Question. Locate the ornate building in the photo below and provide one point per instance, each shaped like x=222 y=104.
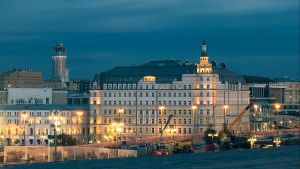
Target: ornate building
x=141 y=99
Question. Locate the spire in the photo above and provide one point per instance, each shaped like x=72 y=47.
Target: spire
x=204 y=66
x=204 y=48
x=59 y=50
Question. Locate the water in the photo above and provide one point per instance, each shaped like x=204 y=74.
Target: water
x=274 y=158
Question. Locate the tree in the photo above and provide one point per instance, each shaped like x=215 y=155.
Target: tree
x=66 y=140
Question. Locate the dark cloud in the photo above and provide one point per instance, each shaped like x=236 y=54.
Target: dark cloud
x=252 y=37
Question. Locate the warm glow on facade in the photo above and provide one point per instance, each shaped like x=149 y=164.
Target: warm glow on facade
x=149 y=78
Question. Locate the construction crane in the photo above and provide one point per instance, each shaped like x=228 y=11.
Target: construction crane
x=168 y=122
x=239 y=117
x=228 y=138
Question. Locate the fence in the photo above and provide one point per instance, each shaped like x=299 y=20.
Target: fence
x=33 y=154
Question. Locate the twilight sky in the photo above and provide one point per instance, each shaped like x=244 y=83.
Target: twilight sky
x=251 y=36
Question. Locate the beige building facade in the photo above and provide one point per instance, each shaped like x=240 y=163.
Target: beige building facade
x=21 y=79
x=196 y=101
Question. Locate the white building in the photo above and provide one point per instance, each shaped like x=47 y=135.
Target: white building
x=36 y=123
x=144 y=97
x=29 y=96
x=14 y=96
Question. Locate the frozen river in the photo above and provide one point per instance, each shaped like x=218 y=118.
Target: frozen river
x=282 y=158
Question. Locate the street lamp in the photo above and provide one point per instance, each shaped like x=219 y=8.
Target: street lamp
x=171 y=129
x=2 y=139
x=43 y=139
x=281 y=124
x=194 y=108
x=56 y=126
x=161 y=108
x=23 y=117
x=225 y=111
x=277 y=142
x=118 y=128
x=252 y=140
x=79 y=114
x=277 y=106
x=255 y=106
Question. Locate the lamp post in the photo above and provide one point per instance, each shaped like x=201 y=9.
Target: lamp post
x=277 y=107
x=2 y=132
x=255 y=106
x=2 y=139
x=56 y=126
x=225 y=111
x=252 y=140
x=161 y=108
x=171 y=130
x=119 y=124
x=194 y=108
x=79 y=114
x=43 y=139
x=277 y=142
x=23 y=116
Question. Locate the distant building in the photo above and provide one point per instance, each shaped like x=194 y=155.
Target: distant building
x=54 y=84
x=265 y=96
x=75 y=98
x=80 y=85
x=146 y=95
x=59 y=64
x=20 y=78
x=291 y=94
x=287 y=119
x=30 y=96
